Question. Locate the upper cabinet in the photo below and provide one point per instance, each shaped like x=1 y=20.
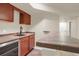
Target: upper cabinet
x=25 y=18
x=6 y=12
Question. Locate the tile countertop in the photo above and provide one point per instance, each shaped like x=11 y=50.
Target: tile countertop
x=8 y=38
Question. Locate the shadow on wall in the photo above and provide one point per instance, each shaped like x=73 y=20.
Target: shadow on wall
x=36 y=19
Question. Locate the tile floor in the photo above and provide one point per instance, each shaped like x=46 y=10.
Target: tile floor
x=40 y=51
x=59 y=41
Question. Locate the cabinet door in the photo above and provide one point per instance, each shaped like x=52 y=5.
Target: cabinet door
x=24 y=46
x=25 y=18
x=32 y=42
x=6 y=12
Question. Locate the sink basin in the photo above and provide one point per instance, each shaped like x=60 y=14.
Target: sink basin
x=19 y=35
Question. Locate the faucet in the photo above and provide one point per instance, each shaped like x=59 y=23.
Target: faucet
x=21 y=29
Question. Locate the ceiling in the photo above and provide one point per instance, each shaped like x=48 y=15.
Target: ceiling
x=65 y=8
x=68 y=9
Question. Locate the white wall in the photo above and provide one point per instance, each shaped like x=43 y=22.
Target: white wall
x=42 y=23
x=78 y=27
x=11 y=27
x=63 y=29
x=75 y=27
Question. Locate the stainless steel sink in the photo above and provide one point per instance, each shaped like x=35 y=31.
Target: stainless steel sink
x=19 y=35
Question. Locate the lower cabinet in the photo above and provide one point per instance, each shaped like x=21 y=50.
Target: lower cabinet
x=24 y=44
x=31 y=42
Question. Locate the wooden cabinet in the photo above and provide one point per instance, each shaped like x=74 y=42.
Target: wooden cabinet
x=6 y=12
x=24 y=43
x=31 y=42
x=25 y=18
